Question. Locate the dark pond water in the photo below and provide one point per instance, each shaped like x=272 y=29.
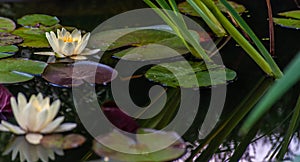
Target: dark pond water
x=89 y=13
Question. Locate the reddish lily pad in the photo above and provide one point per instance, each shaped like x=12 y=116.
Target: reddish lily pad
x=6 y=24
x=75 y=74
x=5 y=107
x=9 y=39
x=63 y=142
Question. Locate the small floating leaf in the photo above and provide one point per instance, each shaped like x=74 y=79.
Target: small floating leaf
x=19 y=70
x=6 y=51
x=141 y=149
x=58 y=141
x=6 y=24
x=33 y=37
x=84 y=71
x=161 y=74
x=9 y=39
x=38 y=19
x=72 y=141
x=185 y=7
x=289 y=23
x=292 y=14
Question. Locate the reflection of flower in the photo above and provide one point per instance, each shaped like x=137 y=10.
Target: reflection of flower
x=35 y=118
x=68 y=44
x=29 y=152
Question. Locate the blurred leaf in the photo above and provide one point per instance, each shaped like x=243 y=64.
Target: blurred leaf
x=33 y=37
x=6 y=51
x=185 y=7
x=15 y=70
x=6 y=25
x=292 y=14
x=164 y=74
x=140 y=150
x=73 y=141
x=84 y=71
x=37 y=19
x=9 y=39
x=5 y=107
x=290 y=23
x=59 y=141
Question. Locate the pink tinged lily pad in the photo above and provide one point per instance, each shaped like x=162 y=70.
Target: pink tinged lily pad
x=59 y=141
x=5 y=107
x=9 y=39
x=119 y=118
x=75 y=74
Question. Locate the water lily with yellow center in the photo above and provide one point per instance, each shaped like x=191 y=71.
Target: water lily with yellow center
x=66 y=44
x=35 y=118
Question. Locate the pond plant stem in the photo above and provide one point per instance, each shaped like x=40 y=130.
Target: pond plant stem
x=271 y=28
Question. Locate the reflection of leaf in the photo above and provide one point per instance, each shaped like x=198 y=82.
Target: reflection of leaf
x=37 y=19
x=6 y=51
x=290 y=23
x=33 y=37
x=9 y=39
x=185 y=7
x=161 y=73
x=5 y=107
x=19 y=70
x=158 y=146
x=77 y=73
x=292 y=14
x=6 y=25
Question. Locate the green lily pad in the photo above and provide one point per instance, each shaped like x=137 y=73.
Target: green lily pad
x=33 y=37
x=6 y=51
x=187 y=71
x=15 y=70
x=38 y=19
x=172 y=146
x=9 y=39
x=186 y=8
x=289 y=23
x=6 y=24
x=292 y=14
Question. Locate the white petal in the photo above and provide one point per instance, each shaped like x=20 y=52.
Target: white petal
x=40 y=122
x=53 y=125
x=63 y=32
x=30 y=115
x=76 y=35
x=82 y=44
x=40 y=97
x=34 y=138
x=13 y=128
x=60 y=55
x=4 y=129
x=22 y=101
x=68 y=49
x=52 y=40
x=87 y=51
x=16 y=109
x=44 y=53
x=65 y=127
x=78 y=57
x=53 y=110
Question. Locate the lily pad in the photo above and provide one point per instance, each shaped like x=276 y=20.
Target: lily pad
x=59 y=141
x=140 y=149
x=33 y=37
x=6 y=24
x=15 y=70
x=6 y=51
x=84 y=71
x=162 y=74
x=38 y=19
x=289 y=23
x=186 y=8
x=292 y=14
x=9 y=39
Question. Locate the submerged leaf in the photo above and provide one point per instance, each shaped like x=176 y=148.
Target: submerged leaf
x=160 y=146
x=6 y=51
x=206 y=75
x=33 y=37
x=9 y=39
x=38 y=19
x=19 y=70
x=290 y=23
x=6 y=24
x=75 y=74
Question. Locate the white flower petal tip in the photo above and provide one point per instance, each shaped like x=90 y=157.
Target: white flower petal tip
x=78 y=57
x=45 y=53
x=34 y=138
x=12 y=128
x=65 y=127
x=88 y=51
x=66 y=44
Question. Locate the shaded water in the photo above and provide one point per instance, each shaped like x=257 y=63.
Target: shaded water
x=88 y=14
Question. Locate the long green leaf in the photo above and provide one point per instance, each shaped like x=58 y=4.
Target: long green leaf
x=290 y=78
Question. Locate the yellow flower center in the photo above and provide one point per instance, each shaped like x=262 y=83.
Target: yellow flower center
x=68 y=39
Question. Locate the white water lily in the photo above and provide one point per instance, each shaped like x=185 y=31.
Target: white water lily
x=66 y=44
x=35 y=118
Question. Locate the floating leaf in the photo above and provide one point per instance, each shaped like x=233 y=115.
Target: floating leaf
x=292 y=14
x=6 y=24
x=38 y=19
x=290 y=23
x=5 y=107
x=119 y=118
x=84 y=71
x=9 y=39
x=72 y=141
x=185 y=7
x=161 y=73
x=141 y=150
x=6 y=51
x=19 y=70
x=33 y=37
x=58 y=141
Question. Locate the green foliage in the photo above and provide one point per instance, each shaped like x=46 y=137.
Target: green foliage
x=6 y=51
x=9 y=39
x=6 y=24
x=38 y=19
x=33 y=37
x=292 y=20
